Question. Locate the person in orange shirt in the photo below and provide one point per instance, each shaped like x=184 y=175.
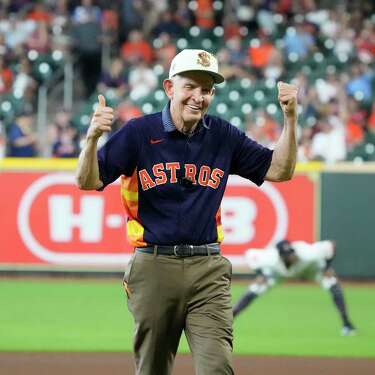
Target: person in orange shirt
x=39 y=13
x=204 y=14
x=261 y=53
x=6 y=77
x=135 y=48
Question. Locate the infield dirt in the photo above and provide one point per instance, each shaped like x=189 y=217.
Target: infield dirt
x=122 y=364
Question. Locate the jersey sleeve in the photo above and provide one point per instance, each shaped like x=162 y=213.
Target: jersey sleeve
x=250 y=159
x=119 y=155
x=315 y=252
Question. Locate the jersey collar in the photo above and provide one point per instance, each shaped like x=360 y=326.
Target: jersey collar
x=168 y=124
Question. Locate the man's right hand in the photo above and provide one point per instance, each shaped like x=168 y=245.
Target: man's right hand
x=101 y=120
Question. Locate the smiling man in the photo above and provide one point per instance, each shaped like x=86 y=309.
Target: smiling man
x=174 y=166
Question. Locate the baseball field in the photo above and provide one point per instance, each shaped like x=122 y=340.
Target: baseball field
x=77 y=326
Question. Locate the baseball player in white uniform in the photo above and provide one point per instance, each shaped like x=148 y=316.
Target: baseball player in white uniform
x=299 y=260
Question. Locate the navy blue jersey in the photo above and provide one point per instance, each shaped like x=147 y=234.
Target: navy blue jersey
x=173 y=184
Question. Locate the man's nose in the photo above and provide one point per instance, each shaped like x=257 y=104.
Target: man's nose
x=198 y=95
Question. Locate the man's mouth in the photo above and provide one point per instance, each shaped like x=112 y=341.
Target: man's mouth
x=194 y=107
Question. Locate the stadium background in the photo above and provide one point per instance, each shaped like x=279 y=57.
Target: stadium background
x=56 y=56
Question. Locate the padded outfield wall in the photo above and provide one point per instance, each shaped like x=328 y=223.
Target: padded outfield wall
x=47 y=223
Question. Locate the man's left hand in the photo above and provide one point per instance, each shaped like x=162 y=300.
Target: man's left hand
x=288 y=99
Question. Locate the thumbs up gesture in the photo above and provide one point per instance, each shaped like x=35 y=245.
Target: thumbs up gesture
x=101 y=120
x=288 y=99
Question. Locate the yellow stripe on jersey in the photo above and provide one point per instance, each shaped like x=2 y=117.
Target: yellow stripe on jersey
x=130 y=195
x=135 y=233
x=219 y=227
x=220 y=233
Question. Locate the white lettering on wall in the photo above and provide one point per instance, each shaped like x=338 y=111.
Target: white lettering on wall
x=239 y=214
x=62 y=219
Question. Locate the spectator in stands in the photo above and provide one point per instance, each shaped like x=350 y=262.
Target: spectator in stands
x=183 y=14
x=261 y=127
x=232 y=27
x=39 y=39
x=136 y=48
x=355 y=125
x=18 y=31
x=60 y=26
x=131 y=16
x=86 y=12
x=4 y=20
x=114 y=79
x=328 y=143
x=237 y=54
x=168 y=24
x=39 y=13
x=126 y=111
x=365 y=42
x=66 y=145
x=63 y=136
x=228 y=70
x=86 y=38
x=260 y=51
x=344 y=43
x=327 y=88
x=110 y=29
x=360 y=82
x=152 y=18
x=265 y=59
x=299 y=41
x=6 y=76
x=304 y=145
x=4 y=50
x=142 y=80
x=21 y=137
x=165 y=50
x=23 y=79
x=204 y=14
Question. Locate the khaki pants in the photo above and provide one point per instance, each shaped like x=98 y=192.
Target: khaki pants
x=168 y=294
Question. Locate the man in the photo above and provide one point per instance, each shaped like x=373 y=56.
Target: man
x=295 y=260
x=174 y=166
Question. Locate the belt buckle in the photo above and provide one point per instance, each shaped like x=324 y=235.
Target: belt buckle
x=183 y=250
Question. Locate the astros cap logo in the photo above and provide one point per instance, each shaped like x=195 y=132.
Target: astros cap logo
x=203 y=59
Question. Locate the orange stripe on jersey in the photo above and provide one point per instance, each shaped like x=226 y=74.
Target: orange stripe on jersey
x=129 y=195
x=219 y=227
x=129 y=198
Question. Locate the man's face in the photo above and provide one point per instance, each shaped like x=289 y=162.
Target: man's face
x=190 y=94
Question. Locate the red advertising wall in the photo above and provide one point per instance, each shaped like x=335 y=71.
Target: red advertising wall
x=46 y=220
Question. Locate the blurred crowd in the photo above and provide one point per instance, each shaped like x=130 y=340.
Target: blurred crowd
x=123 y=49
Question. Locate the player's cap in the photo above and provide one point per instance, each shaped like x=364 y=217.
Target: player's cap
x=196 y=60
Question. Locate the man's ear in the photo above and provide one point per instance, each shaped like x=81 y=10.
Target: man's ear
x=168 y=87
x=213 y=91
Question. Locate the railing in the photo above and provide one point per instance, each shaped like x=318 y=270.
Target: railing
x=66 y=73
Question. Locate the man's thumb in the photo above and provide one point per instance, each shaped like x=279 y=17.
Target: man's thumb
x=101 y=100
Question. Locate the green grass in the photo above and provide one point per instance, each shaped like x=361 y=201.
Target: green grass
x=64 y=315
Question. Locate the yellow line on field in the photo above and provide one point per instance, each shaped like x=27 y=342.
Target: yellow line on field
x=37 y=164
x=62 y=164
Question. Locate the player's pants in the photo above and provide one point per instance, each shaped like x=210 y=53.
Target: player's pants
x=168 y=294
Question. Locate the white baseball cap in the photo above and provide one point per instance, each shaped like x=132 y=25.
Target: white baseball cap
x=196 y=60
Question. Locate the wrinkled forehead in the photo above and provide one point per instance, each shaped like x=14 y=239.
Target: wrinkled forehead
x=198 y=77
